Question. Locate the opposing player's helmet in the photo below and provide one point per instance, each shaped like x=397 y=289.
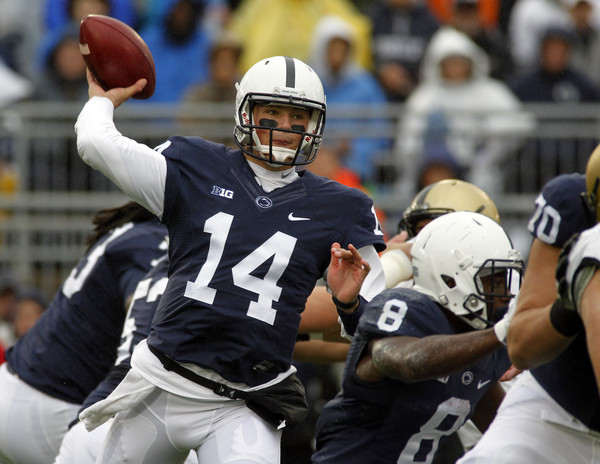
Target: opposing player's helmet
x=443 y=197
x=280 y=80
x=453 y=253
x=592 y=181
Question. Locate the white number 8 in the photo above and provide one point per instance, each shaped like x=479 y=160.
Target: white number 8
x=392 y=315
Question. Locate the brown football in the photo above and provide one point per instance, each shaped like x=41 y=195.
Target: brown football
x=116 y=54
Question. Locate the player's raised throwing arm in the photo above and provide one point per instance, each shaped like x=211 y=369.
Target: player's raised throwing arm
x=135 y=168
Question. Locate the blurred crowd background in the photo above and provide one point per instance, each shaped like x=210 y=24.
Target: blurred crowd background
x=501 y=93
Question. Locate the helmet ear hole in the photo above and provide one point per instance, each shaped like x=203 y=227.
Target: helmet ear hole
x=449 y=281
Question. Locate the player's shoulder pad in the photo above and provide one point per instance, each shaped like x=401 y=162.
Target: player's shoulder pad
x=565 y=189
x=179 y=143
x=585 y=250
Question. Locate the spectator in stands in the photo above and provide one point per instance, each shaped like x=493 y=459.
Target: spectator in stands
x=215 y=16
x=586 y=49
x=29 y=307
x=466 y=17
x=483 y=118
x=401 y=31
x=438 y=164
x=223 y=73
x=14 y=86
x=63 y=70
x=20 y=33
x=63 y=18
x=286 y=27
x=329 y=164
x=220 y=87
x=527 y=23
x=61 y=13
x=555 y=79
x=180 y=47
x=488 y=11
x=348 y=87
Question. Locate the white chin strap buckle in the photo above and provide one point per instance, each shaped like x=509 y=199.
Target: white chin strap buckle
x=279 y=154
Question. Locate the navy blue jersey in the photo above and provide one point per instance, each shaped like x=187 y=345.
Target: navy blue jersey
x=136 y=328
x=73 y=345
x=243 y=261
x=391 y=421
x=569 y=378
x=559 y=211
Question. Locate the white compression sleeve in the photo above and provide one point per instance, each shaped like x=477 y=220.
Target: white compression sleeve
x=135 y=168
x=396 y=266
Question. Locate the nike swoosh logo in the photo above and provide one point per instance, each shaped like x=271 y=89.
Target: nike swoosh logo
x=291 y=217
x=482 y=383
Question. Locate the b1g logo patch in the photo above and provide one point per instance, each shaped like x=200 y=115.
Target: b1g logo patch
x=221 y=192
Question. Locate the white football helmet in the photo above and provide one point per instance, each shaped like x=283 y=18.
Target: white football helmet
x=284 y=81
x=450 y=256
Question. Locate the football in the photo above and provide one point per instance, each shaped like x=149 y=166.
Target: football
x=115 y=54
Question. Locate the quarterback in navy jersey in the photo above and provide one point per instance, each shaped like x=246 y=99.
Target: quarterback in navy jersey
x=249 y=238
x=423 y=357
x=552 y=412
x=71 y=348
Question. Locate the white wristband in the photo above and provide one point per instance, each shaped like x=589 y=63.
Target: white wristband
x=397 y=267
x=501 y=330
x=501 y=327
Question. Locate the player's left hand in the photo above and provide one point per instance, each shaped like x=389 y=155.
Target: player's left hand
x=347 y=271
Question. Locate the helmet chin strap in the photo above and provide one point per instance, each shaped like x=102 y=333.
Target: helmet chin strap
x=279 y=153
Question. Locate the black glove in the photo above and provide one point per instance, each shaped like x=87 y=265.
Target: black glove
x=563 y=314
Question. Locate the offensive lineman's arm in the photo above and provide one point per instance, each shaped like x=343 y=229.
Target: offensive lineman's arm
x=321 y=351
x=532 y=340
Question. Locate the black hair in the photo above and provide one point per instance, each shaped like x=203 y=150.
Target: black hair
x=179 y=32
x=108 y=219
